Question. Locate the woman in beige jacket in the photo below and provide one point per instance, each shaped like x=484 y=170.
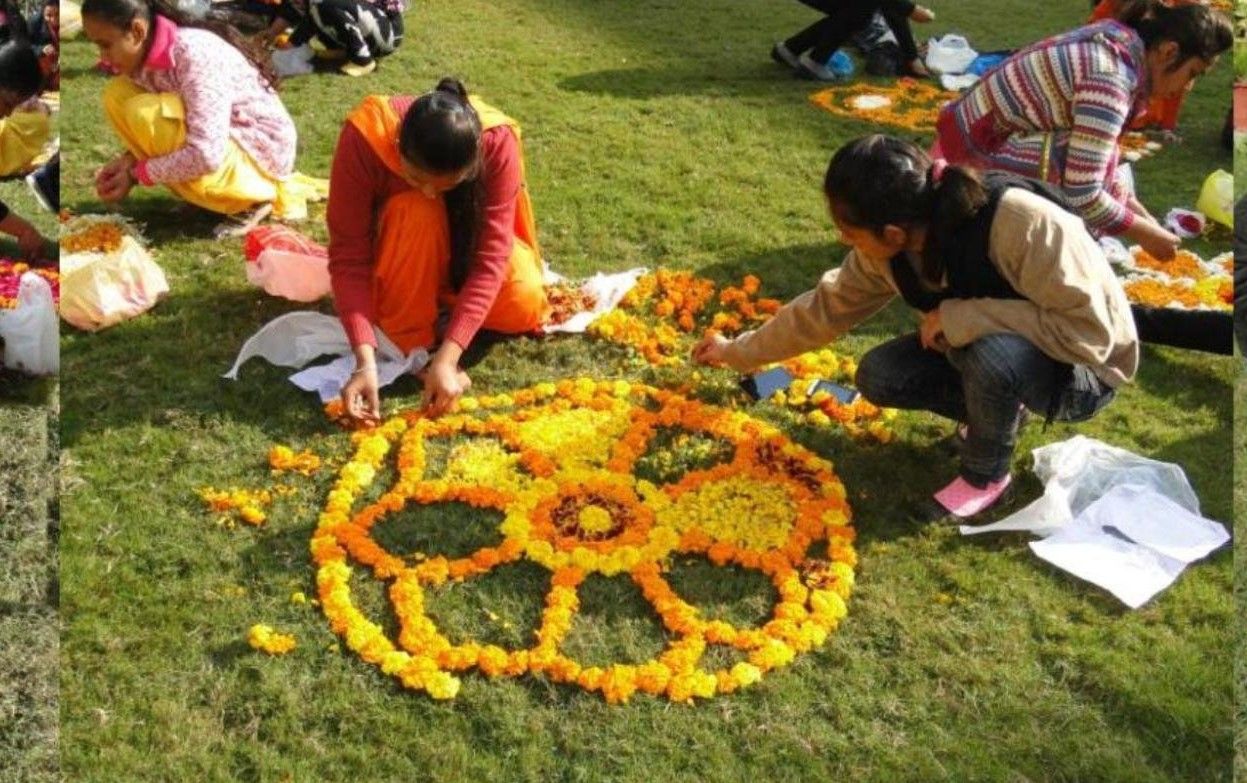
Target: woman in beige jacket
x=1020 y=307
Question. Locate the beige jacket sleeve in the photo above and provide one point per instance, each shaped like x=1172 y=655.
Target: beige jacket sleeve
x=1074 y=311
x=842 y=299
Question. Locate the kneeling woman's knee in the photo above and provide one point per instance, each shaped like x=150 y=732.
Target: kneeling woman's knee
x=520 y=307
x=873 y=377
x=990 y=360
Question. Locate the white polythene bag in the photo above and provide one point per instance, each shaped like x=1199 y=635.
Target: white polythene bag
x=30 y=330
x=1077 y=472
x=293 y=62
x=99 y=290
x=950 y=54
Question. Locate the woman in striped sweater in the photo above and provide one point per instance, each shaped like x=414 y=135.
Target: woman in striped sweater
x=1055 y=110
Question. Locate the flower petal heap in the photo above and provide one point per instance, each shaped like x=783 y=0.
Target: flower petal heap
x=558 y=461
x=664 y=313
x=11 y=281
x=1185 y=283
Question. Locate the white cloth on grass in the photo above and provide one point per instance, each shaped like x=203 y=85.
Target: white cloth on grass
x=295 y=339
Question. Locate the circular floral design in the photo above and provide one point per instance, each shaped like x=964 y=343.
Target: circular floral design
x=909 y=103
x=558 y=462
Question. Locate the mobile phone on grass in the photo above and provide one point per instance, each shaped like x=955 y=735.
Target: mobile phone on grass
x=843 y=394
x=762 y=385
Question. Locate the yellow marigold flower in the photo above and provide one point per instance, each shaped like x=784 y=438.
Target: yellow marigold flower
x=442 y=685
x=492 y=660
x=265 y=639
x=745 y=674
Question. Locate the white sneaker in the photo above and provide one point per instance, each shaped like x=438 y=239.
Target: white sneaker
x=34 y=188
x=807 y=68
x=784 y=56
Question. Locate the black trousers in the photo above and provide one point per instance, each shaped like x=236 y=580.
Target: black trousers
x=1197 y=330
x=846 y=17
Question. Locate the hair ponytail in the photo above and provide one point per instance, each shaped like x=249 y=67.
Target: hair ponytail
x=120 y=13
x=1198 y=30
x=957 y=195
x=452 y=86
x=441 y=133
x=877 y=181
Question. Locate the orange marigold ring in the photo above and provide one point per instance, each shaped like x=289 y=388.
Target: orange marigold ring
x=559 y=462
x=910 y=104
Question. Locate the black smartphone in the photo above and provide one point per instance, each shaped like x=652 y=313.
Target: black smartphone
x=843 y=394
x=762 y=385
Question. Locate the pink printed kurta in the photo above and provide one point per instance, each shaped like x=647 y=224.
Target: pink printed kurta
x=225 y=97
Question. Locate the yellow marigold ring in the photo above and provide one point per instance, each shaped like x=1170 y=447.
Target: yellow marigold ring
x=558 y=461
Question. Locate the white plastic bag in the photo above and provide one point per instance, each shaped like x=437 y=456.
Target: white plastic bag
x=300 y=277
x=950 y=54
x=296 y=61
x=102 y=289
x=30 y=330
x=1133 y=542
x=1077 y=472
x=607 y=291
x=71 y=20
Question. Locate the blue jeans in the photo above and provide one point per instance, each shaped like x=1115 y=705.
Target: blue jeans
x=983 y=384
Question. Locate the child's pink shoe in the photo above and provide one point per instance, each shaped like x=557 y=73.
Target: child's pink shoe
x=963 y=499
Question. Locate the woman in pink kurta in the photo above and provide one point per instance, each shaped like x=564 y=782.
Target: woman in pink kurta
x=197 y=109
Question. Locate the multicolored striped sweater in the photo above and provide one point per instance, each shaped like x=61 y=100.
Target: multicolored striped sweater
x=1054 y=111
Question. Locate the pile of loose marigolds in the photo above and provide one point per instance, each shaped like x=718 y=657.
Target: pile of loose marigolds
x=1187 y=282
x=557 y=461
x=663 y=314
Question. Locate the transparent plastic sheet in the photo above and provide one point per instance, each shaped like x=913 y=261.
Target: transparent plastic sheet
x=1077 y=472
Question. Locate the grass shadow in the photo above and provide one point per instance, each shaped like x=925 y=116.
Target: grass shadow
x=176 y=353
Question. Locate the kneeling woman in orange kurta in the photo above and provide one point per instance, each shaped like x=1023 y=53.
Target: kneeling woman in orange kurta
x=431 y=236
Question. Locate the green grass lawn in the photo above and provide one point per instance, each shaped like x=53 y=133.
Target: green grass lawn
x=29 y=525
x=28 y=578
x=657 y=133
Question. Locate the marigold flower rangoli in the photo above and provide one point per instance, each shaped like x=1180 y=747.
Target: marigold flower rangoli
x=911 y=104
x=558 y=462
